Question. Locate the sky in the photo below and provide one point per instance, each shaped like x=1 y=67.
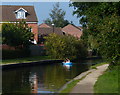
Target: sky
x=44 y=8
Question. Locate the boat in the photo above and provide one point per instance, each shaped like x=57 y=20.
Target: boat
x=67 y=63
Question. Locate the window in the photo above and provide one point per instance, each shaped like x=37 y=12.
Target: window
x=21 y=13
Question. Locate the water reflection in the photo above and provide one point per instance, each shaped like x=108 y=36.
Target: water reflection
x=34 y=83
x=16 y=81
x=40 y=79
x=67 y=66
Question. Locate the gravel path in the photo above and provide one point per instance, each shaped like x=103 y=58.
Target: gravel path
x=86 y=85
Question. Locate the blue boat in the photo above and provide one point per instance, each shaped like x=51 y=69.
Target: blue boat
x=67 y=63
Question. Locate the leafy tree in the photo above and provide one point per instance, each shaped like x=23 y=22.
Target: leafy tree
x=57 y=17
x=101 y=22
x=64 y=46
x=17 y=34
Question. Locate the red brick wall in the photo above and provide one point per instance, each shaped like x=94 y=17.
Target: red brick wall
x=34 y=30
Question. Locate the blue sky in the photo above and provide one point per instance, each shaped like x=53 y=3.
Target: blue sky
x=44 y=8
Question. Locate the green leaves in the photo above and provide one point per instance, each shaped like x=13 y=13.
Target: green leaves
x=64 y=46
x=57 y=17
x=103 y=31
x=16 y=34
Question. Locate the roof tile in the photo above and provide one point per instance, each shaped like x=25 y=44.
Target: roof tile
x=8 y=13
x=73 y=30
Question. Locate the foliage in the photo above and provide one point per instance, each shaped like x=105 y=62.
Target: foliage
x=17 y=34
x=57 y=17
x=64 y=46
x=102 y=29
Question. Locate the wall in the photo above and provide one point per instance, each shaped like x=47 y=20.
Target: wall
x=34 y=30
x=37 y=50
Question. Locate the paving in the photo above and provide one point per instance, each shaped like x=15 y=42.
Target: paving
x=86 y=85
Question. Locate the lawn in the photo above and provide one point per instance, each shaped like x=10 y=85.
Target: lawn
x=108 y=82
x=27 y=59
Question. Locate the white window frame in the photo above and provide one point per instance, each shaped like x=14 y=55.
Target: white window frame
x=20 y=13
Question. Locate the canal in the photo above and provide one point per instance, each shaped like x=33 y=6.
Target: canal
x=46 y=78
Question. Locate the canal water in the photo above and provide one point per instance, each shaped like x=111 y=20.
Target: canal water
x=46 y=78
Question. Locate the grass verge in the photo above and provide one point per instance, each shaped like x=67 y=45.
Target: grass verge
x=70 y=87
x=27 y=59
x=108 y=82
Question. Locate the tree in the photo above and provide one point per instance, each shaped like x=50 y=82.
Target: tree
x=101 y=22
x=57 y=17
x=64 y=46
x=17 y=34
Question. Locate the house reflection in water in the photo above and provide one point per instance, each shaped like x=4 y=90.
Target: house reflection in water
x=34 y=83
x=36 y=86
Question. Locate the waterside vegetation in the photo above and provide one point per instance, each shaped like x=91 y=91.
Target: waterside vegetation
x=65 y=46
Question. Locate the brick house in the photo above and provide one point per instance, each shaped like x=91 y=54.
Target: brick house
x=13 y=13
x=72 y=30
x=46 y=29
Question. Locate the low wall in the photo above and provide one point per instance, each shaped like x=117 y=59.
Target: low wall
x=37 y=50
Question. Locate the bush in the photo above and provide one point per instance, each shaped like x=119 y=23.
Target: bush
x=11 y=54
x=16 y=34
x=61 y=46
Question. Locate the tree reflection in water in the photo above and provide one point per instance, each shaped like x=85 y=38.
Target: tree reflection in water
x=15 y=81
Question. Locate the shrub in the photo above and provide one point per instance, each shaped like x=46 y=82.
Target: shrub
x=62 y=46
x=16 y=34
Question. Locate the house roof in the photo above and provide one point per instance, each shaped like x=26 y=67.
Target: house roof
x=72 y=30
x=46 y=31
x=44 y=25
x=8 y=13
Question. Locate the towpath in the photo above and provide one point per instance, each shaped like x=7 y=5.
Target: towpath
x=86 y=85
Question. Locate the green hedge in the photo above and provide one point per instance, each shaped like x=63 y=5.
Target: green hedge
x=11 y=54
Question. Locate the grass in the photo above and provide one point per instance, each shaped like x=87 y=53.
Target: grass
x=108 y=82
x=99 y=64
x=27 y=59
x=70 y=86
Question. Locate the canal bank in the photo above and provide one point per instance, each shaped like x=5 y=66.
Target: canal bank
x=45 y=60
x=16 y=65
